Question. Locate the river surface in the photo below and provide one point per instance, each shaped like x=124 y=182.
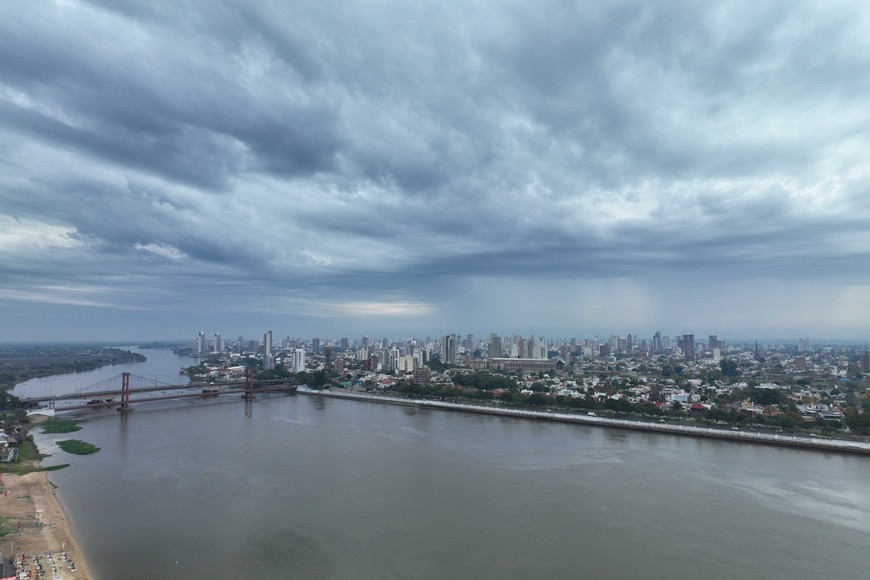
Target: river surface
x=307 y=487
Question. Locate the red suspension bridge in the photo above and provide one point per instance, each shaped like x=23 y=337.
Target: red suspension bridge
x=126 y=389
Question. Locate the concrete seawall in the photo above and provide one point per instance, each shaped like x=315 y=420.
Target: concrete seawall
x=814 y=443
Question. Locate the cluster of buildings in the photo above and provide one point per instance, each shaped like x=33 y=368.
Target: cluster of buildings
x=292 y=356
x=532 y=354
x=670 y=373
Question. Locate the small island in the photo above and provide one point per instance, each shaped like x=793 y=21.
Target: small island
x=77 y=447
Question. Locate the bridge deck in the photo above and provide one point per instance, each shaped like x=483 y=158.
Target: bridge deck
x=82 y=395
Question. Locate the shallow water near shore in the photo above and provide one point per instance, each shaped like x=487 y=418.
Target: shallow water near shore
x=325 y=488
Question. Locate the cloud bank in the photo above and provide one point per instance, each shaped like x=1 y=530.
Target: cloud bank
x=562 y=167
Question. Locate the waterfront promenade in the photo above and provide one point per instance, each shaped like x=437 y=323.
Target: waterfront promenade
x=815 y=443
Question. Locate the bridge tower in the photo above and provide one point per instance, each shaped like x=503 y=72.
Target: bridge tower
x=125 y=393
x=249 y=384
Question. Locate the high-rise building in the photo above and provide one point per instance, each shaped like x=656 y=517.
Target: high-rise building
x=391 y=360
x=804 y=344
x=343 y=344
x=524 y=348
x=494 y=350
x=622 y=344
x=865 y=363
x=448 y=349
x=297 y=360
x=315 y=345
x=366 y=342
x=218 y=342
x=268 y=361
x=200 y=343
x=657 y=345
x=687 y=345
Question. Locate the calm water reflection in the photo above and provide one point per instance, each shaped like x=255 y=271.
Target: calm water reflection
x=306 y=487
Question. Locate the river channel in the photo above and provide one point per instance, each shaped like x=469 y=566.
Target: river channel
x=307 y=487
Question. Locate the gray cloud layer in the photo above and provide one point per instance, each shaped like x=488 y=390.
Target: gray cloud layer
x=332 y=159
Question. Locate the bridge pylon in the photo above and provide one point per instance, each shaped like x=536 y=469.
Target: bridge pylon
x=249 y=384
x=125 y=394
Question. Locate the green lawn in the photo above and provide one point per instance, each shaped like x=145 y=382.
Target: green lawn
x=28 y=459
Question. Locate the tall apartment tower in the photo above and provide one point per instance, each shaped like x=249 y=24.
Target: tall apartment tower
x=315 y=345
x=494 y=350
x=658 y=345
x=218 y=342
x=297 y=360
x=268 y=361
x=804 y=344
x=200 y=343
x=524 y=348
x=448 y=349
x=687 y=345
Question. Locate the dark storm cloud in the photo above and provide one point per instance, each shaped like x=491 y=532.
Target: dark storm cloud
x=351 y=149
x=155 y=109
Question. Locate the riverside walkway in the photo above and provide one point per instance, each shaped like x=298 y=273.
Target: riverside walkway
x=815 y=443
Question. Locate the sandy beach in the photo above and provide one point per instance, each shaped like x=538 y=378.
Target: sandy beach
x=38 y=526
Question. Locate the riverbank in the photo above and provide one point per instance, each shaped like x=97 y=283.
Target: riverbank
x=37 y=525
x=814 y=443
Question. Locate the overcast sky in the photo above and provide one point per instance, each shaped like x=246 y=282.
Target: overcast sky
x=340 y=168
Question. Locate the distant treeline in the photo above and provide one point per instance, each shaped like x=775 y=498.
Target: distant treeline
x=22 y=363
x=165 y=345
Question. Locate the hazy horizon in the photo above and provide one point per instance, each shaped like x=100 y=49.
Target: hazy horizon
x=699 y=339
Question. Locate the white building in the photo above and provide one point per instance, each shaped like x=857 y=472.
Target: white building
x=296 y=360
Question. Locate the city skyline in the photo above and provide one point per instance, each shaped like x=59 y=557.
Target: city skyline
x=346 y=169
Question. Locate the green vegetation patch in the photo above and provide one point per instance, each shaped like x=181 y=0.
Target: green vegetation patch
x=77 y=447
x=54 y=467
x=60 y=426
